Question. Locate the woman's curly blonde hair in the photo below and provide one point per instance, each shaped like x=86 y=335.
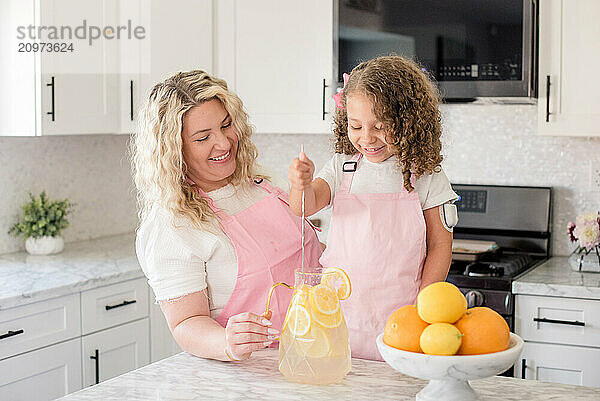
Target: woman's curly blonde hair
x=406 y=102
x=156 y=149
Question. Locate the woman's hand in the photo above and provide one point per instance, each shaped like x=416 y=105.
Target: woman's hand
x=301 y=173
x=247 y=332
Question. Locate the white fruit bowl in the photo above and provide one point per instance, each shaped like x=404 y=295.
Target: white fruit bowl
x=448 y=375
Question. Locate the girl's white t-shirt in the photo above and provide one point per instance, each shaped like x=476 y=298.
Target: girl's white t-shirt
x=179 y=259
x=386 y=177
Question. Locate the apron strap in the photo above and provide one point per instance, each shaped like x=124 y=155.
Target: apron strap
x=348 y=170
x=217 y=210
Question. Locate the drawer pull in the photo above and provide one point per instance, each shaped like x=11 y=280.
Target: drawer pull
x=11 y=333
x=109 y=307
x=570 y=323
x=96 y=358
x=523 y=368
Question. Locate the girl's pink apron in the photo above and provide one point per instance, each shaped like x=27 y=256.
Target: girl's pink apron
x=266 y=238
x=379 y=240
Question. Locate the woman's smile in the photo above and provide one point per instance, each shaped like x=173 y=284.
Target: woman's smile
x=224 y=158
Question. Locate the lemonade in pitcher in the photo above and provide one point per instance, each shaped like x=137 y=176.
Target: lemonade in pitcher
x=313 y=346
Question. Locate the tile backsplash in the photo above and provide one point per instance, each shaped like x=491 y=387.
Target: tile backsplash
x=483 y=144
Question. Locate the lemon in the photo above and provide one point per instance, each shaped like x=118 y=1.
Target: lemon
x=333 y=275
x=315 y=344
x=327 y=321
x=298 y=320
x=441 y=302
x=440 y=339
x=324 y=299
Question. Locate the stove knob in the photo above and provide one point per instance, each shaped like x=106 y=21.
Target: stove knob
x=474 y=298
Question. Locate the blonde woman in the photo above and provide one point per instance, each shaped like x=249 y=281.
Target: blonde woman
x=215 y=235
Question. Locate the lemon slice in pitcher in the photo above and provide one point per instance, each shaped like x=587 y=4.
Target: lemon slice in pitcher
x=324 y=299
x=327 y=321
x=315 y=344
x=334 y=275
x=298 y=320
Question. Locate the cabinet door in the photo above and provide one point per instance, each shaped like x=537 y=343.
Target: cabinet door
x=110 y=353
x=162 y=344
x=79 y=90
x=568 y=57
x=17 y=71
x=276 y=55
x=181 y=40
x=45 y=374
x=559 y=364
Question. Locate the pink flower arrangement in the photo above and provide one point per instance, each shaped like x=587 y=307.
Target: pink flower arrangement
x=586 y=232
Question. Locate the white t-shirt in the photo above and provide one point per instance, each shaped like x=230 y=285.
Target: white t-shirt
x=386 y=177
x=179 y=259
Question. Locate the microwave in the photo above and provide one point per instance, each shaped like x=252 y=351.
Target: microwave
x=470 y=48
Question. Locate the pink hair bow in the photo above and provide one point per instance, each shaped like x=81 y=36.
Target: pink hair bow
x=338 y=96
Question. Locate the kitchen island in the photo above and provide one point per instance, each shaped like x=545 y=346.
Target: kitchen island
x=185 y=377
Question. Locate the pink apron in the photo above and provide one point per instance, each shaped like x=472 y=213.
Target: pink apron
x=266 y=238
x=379 y=240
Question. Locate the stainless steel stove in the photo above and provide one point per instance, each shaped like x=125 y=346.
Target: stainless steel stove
x=517 y=219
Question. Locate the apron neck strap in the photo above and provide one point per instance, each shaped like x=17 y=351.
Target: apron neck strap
x=217 y=210
x=348 y=170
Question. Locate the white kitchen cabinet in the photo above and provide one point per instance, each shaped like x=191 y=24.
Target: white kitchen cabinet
x=162 y=343
x=568 y=58
x=559 y=364
x=562 y=339
x=277 y=56
x=112 y=352
x=45 y=374
x=78 y=91
x=39 y=324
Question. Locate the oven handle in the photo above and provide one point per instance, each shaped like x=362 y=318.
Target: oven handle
x=568 y=322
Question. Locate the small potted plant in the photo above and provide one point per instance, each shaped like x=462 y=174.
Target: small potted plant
x=41 y=224
x=586 y=233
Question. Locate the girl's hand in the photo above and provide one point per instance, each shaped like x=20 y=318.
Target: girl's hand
x=301 y=173
x=247 y=332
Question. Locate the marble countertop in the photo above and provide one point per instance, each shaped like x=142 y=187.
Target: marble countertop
x=555 y=278
x=81 y=266
x=185 y=377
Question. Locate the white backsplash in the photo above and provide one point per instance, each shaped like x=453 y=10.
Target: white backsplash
x=483 y=144
x=90 y=170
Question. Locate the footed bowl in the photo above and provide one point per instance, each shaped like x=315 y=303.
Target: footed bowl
x=449 y=375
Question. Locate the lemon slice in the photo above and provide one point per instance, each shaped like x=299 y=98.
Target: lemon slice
x=324 y=299
x=335 y=275
x=327 y=321
x=298 y=320
x=315 y=344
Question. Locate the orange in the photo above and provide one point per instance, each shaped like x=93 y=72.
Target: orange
x=485 y=331
x=403 y=329
x=441 y=302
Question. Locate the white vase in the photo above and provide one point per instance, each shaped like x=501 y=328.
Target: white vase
x=585 y=263
x=44 y=245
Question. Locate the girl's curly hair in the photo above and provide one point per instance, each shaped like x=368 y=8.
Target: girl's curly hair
x=406 y=102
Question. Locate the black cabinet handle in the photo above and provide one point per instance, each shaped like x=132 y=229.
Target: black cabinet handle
x=109 y=307
x=570 y=323
x=53 y=112
x=324 y=86
x=96 y=356
x=11 y=333
x=131 y=100
x=548 y=98
x=523 y=368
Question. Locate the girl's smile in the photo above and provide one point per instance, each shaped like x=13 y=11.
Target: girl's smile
x=365 y=131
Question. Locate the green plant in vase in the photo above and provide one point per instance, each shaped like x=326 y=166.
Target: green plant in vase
x=41 y=224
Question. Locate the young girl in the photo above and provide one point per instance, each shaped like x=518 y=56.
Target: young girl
x=390 y=230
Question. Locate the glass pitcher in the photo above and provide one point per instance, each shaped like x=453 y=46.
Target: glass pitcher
x=313 y=345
